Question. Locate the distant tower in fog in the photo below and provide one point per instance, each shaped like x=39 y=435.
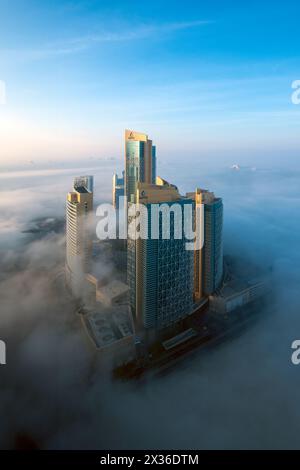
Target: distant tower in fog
x=118 y=189
x=78 y=239
x=140 y=162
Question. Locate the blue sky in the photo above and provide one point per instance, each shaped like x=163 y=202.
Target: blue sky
x=202 y=78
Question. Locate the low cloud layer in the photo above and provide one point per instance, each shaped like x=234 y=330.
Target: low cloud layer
x=239 y=394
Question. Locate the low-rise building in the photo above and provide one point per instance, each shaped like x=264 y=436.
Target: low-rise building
x=112 y=334
x=237 y=293
x=106 y=292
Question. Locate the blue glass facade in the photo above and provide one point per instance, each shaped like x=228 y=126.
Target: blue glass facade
x=165 y=279
x=136 y=169
x=213 y=246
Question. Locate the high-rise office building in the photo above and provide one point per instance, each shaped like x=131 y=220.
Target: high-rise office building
x=213 y=243
x=78 y=239
x=168 y=281
x=208 y=260
x=118 y=189
x=140 y=162
x=160 y=271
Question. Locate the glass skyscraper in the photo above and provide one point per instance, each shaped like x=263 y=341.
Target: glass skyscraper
x=140 y=162
x=168 y=281
x=209 y=259
x=160 y=271
x=118 y=189
x=213 y=246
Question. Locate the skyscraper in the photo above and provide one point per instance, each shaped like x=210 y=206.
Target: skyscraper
x=168 y=281
x=78 y=240
x=213 y=243
x=208 y=273
x=118 y=189
x=140 y=162
x=160 y=271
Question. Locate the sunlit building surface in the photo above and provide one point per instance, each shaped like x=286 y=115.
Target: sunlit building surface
x=78 y=239
x=140 y=162
x=209 y=259
x=108 y=293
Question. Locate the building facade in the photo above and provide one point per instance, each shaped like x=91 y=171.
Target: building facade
x=140 y=162
x=168 y=281
x=208 y=261
x=118 y=189
x=160 y=271
x=213 y=246
x=79 y=207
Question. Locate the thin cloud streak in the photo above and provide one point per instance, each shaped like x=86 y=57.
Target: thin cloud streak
x=80 y=44
x=140 y=33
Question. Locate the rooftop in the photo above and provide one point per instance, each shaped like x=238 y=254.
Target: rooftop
x=106 y=328
x=112 y=291
x=135 y=136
